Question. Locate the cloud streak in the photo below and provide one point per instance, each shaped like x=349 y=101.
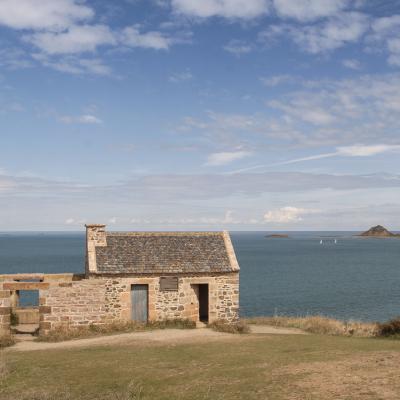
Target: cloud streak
x=226 y=157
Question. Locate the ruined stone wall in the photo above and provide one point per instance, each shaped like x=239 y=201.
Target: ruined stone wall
x=102 y=300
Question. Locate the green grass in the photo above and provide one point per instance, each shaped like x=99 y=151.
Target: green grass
x=241 y=367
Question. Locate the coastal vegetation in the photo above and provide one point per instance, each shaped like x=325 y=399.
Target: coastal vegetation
x=224 y=326
x=319 y=325
x=390 y=328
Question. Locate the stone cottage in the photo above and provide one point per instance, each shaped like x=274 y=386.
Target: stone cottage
x=140 y=276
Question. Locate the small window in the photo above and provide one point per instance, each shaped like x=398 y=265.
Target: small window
x=169 y=283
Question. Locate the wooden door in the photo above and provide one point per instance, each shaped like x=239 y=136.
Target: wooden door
x=139 y=301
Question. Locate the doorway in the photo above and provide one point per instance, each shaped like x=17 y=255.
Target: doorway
x=139 y=303
x=203 y=303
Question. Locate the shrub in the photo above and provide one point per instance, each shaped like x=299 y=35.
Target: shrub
x=172 y=324
x=229 y=327
x=13 y=318
x=389 y=328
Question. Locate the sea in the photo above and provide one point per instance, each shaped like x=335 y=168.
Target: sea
x=334 y=274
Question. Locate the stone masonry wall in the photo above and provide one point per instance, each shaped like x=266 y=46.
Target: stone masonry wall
x=5 y=309
x=77 y=303
x=101 y=300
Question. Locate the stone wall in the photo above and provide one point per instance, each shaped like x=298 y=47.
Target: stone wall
x=77 y=303
x=5 y=309
x=95 y=237
x=102 y=300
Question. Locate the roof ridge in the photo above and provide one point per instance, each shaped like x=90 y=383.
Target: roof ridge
x=165 y=233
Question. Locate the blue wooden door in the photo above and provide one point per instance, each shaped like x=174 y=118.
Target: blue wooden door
x=139 y=301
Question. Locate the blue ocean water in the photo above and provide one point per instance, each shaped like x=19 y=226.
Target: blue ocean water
x=356 y=278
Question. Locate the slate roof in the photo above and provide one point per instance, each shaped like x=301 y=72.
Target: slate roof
x=166 y=252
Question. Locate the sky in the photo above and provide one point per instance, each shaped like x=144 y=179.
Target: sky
x=199 y=115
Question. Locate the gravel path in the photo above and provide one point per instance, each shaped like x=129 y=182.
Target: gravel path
x=161 y=336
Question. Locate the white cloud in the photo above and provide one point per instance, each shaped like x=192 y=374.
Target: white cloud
x=366 y=151
x=238 y=47
x=346 y=151
x=77 y=39
x=82 y=119
x=74 y=64
x=14 y=58
x=346 y=28
x=385 y=32
x=236 y=9
x=287 y=215
x=94 y=66
x=352 y=64
x=393 y=45
x=315 y=113
x=277 y=80
x=306 y=109
x=308 y=10
x=386 y=25
x=322 y=37
x=76 y=222
x=180 y=77
x=43 y=14
x=132 y=37
x=223 y=158
x=61 y=29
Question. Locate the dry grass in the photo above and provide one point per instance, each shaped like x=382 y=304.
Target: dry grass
x=320 y=325
x=228 y=327
x=66 y=332
x=3 y=369
x=133 y=391
x=234 y=367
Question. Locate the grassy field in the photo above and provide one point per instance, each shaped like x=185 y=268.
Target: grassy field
x=237 y=367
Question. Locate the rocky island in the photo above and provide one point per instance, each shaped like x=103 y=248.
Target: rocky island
x=378 y=231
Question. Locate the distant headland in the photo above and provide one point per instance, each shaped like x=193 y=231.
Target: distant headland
x=378 y=231
x=277 y=236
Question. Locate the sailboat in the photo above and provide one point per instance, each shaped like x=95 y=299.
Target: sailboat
x=320 y=242
x=335 y=241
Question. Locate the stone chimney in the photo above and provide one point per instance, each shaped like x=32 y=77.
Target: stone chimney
x=95 y=237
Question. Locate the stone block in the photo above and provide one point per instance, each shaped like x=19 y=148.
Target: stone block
x=44 y=325
x=44 y=309
x=5 y=310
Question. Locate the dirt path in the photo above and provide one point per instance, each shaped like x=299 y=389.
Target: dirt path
x=165 y=336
